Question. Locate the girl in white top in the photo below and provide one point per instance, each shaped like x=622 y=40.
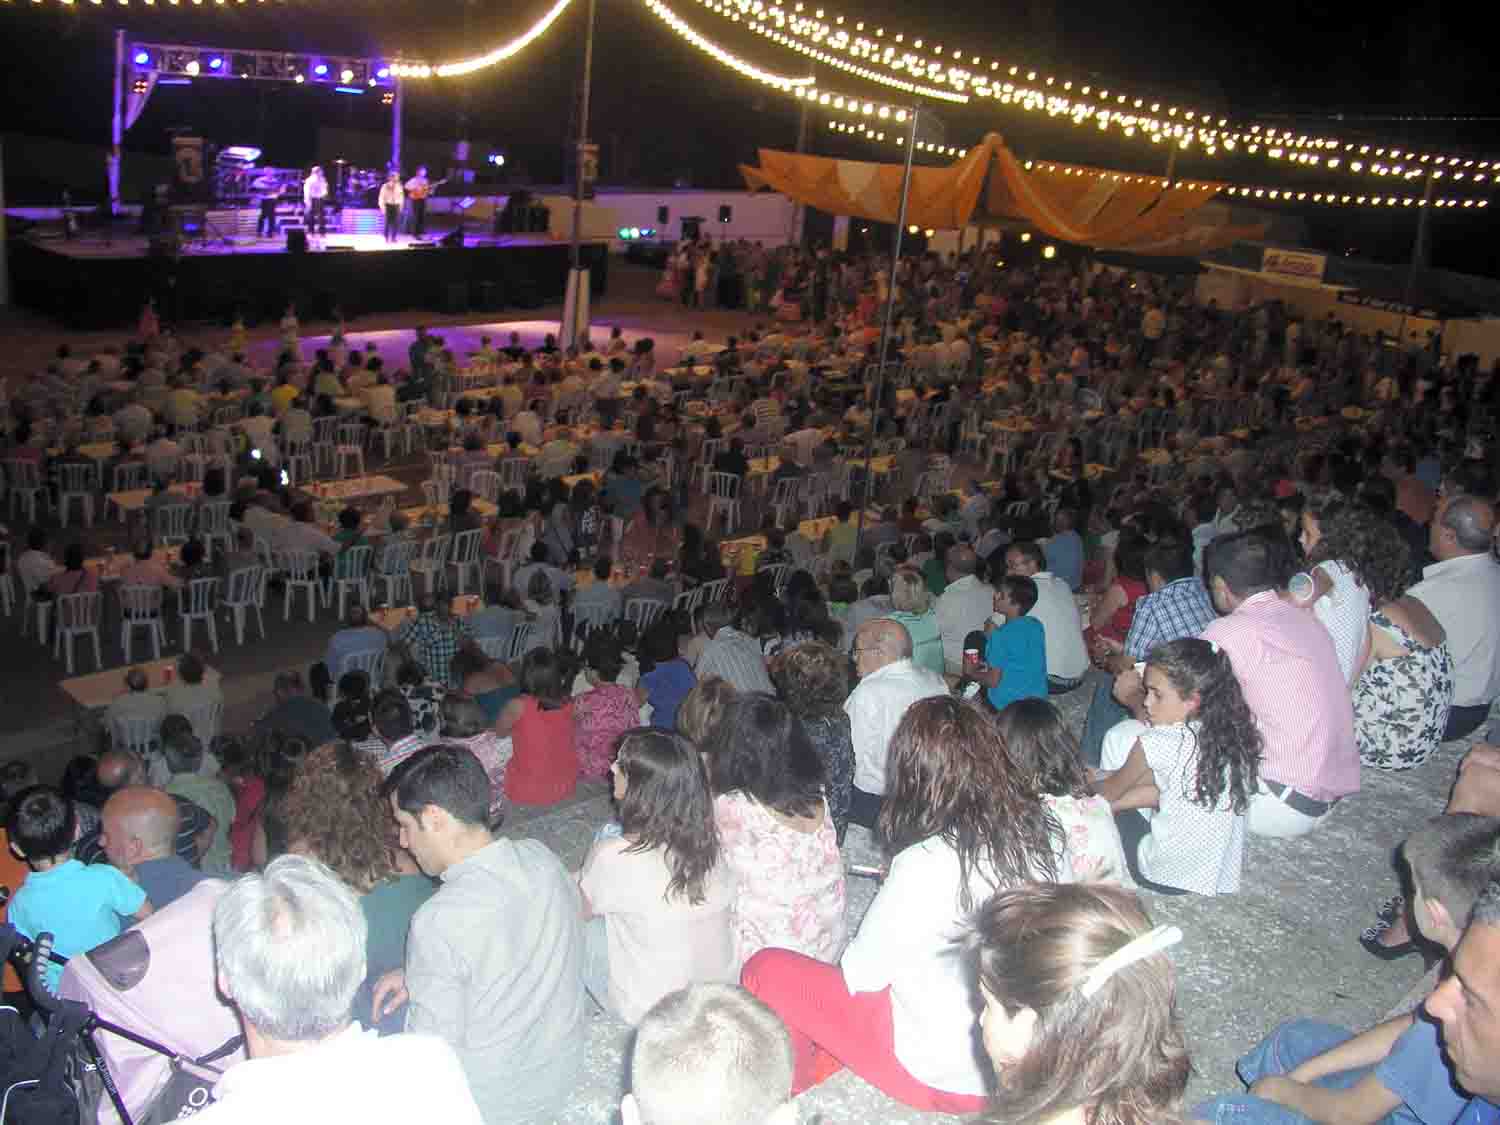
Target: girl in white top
x=897 y=1009
x=1079 y=1017
x=1196 y=765
x=657 y=896
x=1337 y=595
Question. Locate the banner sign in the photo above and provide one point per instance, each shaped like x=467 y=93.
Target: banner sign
x=1384 y=304
x=1293 y=263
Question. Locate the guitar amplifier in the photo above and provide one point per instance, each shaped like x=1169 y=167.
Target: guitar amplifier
x=296 y=240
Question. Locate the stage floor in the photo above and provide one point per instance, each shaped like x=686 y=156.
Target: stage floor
x=136 y=246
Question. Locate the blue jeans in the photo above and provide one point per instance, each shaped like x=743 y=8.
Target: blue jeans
x=1287 y=1047
x=1104 y=713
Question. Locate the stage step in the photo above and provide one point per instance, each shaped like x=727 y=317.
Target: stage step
x=239 y=223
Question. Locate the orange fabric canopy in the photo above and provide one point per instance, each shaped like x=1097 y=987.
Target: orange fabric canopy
x=1093 y=207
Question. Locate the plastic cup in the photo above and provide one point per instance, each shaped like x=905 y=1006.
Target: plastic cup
x=168 y=673
x=971 y=658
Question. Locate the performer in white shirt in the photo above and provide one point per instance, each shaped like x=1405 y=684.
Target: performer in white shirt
x=391 y=197
x=315 y=200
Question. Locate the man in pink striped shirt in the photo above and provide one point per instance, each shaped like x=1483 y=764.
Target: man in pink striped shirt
x=1289 y=672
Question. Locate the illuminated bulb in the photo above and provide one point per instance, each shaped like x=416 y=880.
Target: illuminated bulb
x=1026 y=234
x=1049 y=251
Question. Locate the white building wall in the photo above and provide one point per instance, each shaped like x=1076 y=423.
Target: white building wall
x=763 y=217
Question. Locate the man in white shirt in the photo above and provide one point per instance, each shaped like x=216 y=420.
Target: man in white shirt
x=300 y=533
x=963 y=607
x=34 y=566
x=391 y=197
x=889 y=683
x=1057 y=610
x=1462 y=589
x=380 y=399
x=494 y=960
x=805 y=441
x=290 y=950
x=137 y=703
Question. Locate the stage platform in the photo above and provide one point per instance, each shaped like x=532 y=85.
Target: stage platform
x=98 y=283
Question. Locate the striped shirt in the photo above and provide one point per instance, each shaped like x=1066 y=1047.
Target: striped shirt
x=1289 y=673
x=735 y=657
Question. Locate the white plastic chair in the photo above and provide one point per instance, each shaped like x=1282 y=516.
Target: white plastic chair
x=139 y=735
x=394 y=569
x=213 y=526
x=643 y=612
x=301 y=569
x=371 y=662
x=785 y=498
x=79 y=482
x=432 y=563
x=465 y=560
x=688 y=600
x=504 y=558
x=206 y=721
x=349 y=452
x=196 y=602
x=174 y=524
x=485 y=484
x=587 y=618
x=724 y=496
x=128 y=476
x=246 y=592
x=513 y=471
x=351 y=571
x=140 y=608
x=7 y=580
x=78 y=616
x=298 y=461
x=24 y=478
x=778 y=573
x=520 y=638
x=715 y=591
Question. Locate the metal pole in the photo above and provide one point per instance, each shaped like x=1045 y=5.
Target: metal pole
x=1418 y=249
x=885 y=330
x=116 y=125
x=575 y=304
x=791 y=233
x=397 y=103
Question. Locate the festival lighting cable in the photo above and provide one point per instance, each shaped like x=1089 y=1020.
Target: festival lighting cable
x=861 y=53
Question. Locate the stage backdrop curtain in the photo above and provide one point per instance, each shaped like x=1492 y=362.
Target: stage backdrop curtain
x=1095 y=207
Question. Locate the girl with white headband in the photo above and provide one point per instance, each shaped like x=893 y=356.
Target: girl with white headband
x=1080 y=1017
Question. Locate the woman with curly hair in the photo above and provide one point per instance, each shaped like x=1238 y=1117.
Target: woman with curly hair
x=776 y=830
x=334 y=812
x=702 y=707
x=1403 y=690
x=813 y=680
x=1080 y=1011
x=960 y=823
x=1332 y=588
x=1197 y=765
x=657 y=896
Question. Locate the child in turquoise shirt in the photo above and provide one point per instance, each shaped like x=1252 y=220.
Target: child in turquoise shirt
x=81 y=907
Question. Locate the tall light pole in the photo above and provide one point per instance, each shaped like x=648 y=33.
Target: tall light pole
x=885 y=331
x=576 y=304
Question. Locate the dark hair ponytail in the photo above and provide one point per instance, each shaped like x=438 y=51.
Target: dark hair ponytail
x=1229 y=742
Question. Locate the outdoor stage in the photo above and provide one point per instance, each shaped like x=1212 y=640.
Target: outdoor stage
x=98 y=283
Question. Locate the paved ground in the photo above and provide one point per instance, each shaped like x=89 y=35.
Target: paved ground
x=1284 y=946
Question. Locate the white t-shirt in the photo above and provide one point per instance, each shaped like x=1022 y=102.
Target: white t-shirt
x=1345 y=613
x=656 y=944
x=906 y=943
x=1196 y=848
x=355 y=1076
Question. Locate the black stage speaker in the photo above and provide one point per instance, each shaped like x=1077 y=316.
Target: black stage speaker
x=296 y=240
x=726 y=213
x=452 y=239
x=663 y=215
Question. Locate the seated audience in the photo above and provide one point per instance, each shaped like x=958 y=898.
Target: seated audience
x=776 y=831
x=139 y=838
x=544 y=763
x=607 y=710
x=666 y=677
x=813 y=680
x=658 y=896
x=912 y=606
x=1015 y=653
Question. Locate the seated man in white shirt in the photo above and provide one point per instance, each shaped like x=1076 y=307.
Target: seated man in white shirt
x=300 y=533
x=964 y=606
x=710 y=1052
x=137 y=702
x=1057 y=610
x=290 y=949
x=889 y=684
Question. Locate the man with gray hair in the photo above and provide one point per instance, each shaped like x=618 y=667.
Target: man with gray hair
x=1462 y=589
x=889 y=683
x=710 y=1054
x=290 y=949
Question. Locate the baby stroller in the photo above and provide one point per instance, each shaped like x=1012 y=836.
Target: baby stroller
x=151 y=993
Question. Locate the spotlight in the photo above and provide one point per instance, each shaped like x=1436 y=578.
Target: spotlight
x=383 y=72
x=192 y=67
x=142 y=58
x=321 y=70
x=216 y=63
x=1049 y=251
x=346 y=75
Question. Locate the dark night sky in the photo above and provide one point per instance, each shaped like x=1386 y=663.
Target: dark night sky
x=663 y=111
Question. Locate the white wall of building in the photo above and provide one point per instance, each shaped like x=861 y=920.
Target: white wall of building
x=763 y=217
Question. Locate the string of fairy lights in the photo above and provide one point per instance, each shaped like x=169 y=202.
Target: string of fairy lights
x=962 y=77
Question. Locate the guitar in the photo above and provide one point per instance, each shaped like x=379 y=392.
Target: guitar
x=420 y=193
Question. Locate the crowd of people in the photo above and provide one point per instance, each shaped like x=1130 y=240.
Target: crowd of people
x=1312 y=595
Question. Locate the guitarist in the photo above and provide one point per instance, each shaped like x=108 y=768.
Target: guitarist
x=418 y=188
